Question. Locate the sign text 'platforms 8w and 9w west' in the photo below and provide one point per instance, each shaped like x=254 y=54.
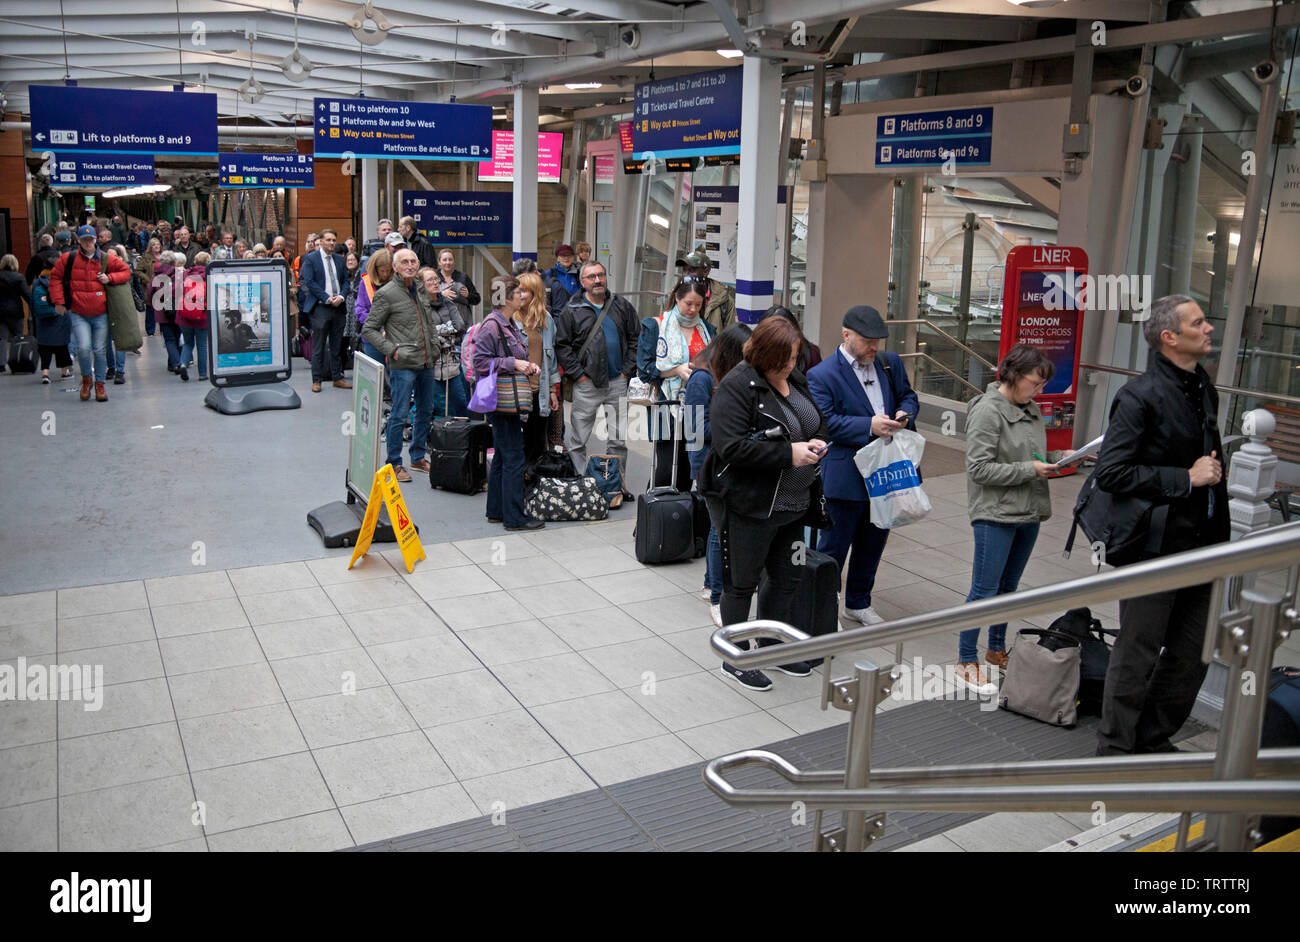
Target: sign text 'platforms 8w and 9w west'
x=370 y=128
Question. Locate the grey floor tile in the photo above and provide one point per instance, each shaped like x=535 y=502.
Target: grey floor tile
x=548 y=679
x=937 y=844
x=634 y=663
x=667 y=615
x=430 y=656
x=286 y=605
x=597 y=627
x=319 y=675
x=480 y=611
x=224 y=690
x=28 y=607
x=120 y=758
x=413 y=811
x=560 y=598
x=506 y=546
x=596 y=561
x=190 y=618
x=694 y=700
x=561 y=539
x=436 y=701
x=199 y=587
x=635 y=759
x=254 y=580
x=927 y=563
x=122 y=706
x=623 y=588
x=806 y=716
x=454 y=583
x=385 y=592
x=96 y=631
x=598 y=721
x=381 y=768
x=27 y=640
x=128 y=817
x=490 y=744
x=193 y=845
x=526 y=572
x=504 y=792
x=28 y=774
x=1013 y=831
x=122 y=663
x=25 y=722
x=402 y=623
x=211 y=650
x=751 y=731
x=30 y=828
x=332 y=570
x=98 y=599
x=519 y=641
x=322 y=831
x=244 y=736
x=438 y=556
x=338 y=719
x=320 y=635
x=240 y=796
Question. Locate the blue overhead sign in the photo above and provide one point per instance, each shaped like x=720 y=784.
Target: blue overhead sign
x=101 y=170
x=67 y=118
x=963 y=135
x=291 y=171
x=688 y=116
x=460 y=217
x=368 y=127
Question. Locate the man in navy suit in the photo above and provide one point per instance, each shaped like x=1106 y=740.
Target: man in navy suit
x=324 y=282
x=864 y=394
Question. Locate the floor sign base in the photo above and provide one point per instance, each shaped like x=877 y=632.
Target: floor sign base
x=239 y=400
x=339 y=524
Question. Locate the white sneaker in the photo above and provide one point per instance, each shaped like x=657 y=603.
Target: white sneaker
x=716 y=612
x=863 y=616
x=706 y=593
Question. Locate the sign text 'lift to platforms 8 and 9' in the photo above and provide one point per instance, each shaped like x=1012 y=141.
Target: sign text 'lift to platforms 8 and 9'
x=369 y=127
x=290 y=171
x=68 y=119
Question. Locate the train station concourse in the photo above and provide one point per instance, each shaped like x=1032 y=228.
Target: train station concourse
x=797 y=425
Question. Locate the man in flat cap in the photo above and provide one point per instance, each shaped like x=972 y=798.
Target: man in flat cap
x=864 y=393
x=719 y=301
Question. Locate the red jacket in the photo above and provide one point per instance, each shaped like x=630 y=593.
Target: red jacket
x=88 y=298
x=193 y=311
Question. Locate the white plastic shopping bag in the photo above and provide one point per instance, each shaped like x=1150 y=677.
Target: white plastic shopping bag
x=888 y=466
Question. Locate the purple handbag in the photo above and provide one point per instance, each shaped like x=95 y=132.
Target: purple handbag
x=484 y=398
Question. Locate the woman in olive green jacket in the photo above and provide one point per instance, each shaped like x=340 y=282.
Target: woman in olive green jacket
x=1007 y=490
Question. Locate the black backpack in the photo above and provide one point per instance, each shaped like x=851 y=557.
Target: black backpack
x=1130 y=528
x=1094 y=655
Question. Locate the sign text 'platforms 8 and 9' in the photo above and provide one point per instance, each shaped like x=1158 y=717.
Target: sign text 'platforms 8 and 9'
x=102 y=170
x=370 y=127
x=290 y=171
x=688 y=115
x=550 y=148
x=962 y=135
x=461 y=217
x=71 y=119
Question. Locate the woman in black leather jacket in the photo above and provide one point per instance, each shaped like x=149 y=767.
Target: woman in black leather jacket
x=761 y=479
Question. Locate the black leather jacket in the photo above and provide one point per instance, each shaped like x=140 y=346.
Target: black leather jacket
x=744 y=468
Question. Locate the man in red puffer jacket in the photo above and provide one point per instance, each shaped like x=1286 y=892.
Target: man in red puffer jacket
x=77 y=284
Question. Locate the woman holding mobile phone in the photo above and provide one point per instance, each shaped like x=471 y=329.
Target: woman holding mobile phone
x=1008 y=493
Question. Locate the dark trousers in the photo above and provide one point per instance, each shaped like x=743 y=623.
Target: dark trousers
x=535 y=429
x=327 y=325
x=505 y=489
x=57 y=352
x=750 y=547
x=172 y=341
x=1150 y=692
x=854 y=531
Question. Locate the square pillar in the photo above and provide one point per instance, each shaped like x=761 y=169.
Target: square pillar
x=524 y=204
x=760 y=130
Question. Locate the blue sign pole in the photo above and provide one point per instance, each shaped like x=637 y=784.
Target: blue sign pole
x=461 y=217
x=688 y=116
x=101 y=170
x=69 y=119
x=290 y=171
x=370 y=127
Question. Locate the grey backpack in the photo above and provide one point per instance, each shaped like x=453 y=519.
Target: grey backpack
x=1042 y=678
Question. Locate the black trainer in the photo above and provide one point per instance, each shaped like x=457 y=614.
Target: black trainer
x=753 y=680
x=532 y=523
x=794 y=669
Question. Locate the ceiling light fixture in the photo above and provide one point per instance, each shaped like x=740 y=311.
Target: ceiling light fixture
x=295 y=66
x=576 y=86
x=251 y=90
x=729 y=53
x=143 y=190
x=369 y=25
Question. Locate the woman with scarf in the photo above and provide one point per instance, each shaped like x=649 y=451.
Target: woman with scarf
x=681 y=335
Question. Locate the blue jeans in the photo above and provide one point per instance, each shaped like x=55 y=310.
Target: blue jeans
x=713 y=567
x=116 y=358
x=1001 y=552
x=90 y=335
x=505 y=489
x=402 y=382
x=196 y=342
x=459 y=397
x=172 y=341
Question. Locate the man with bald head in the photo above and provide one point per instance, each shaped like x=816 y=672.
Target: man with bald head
x=402 y=328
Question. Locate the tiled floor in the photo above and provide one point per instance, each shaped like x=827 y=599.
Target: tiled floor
x=304 y=706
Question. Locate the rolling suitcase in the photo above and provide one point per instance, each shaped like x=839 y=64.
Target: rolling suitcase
x=815 y=609
x=665 y=522
x=23 y=354
x=458 y=454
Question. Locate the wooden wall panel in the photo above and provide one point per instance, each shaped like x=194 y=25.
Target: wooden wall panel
x=13 y=192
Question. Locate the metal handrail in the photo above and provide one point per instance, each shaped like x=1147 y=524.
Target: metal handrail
x=943 y=333
x=951 y=372
x=1274 y=548
x=1230 y=390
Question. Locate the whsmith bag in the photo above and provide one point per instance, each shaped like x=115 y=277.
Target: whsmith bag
x=889 y=468
x=1042 y=680
x=123 y=318
x=563 y=499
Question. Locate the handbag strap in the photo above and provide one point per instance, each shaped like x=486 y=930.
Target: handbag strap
x=1051 y=633
x=600 y=319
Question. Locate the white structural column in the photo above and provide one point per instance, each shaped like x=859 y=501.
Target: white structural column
x=369 y=197
x=760 y=128
x=524 y=223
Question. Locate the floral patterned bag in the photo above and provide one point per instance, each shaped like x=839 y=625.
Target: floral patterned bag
x=564 y=499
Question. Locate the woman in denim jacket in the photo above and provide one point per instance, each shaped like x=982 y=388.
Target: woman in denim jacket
x=539 y=328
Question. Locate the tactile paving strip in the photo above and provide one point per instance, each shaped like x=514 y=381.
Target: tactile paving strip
x=676 y=811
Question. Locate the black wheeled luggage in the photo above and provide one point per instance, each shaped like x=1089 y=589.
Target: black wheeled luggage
x=458 y=454
x=665 y=522
x=815 y=609
x=24 y=355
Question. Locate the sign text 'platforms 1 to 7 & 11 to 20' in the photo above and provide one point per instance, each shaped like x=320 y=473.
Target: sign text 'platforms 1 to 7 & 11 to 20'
x=375 y=128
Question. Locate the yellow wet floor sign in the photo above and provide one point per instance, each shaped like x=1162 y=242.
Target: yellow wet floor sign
x=385 y=492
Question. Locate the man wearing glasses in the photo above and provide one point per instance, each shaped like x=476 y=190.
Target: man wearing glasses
x=720 y=301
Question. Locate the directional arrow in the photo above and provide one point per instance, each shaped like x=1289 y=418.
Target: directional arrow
x=40 y=137
x=322 y=106
x=322 y=132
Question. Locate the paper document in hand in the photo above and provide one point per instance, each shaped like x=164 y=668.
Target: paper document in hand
x=1087 y=451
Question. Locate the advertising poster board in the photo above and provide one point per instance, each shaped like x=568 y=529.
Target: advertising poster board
x=248 y=320
x=368 y=411
x=501 y=168
x=1042 y=305
x=717 y=230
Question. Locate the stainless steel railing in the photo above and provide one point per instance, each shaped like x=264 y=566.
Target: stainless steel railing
x=1225 y=784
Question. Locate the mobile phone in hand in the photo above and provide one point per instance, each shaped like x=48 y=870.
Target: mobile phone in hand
x=825 y=448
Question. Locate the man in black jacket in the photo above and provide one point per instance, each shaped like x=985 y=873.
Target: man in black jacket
x=1163 y=446
x=595 y=342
